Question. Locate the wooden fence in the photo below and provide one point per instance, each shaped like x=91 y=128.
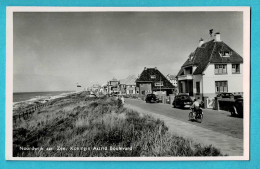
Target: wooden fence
x=26 y=112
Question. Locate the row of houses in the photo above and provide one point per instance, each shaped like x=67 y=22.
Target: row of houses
x=114 y=86
x=212 y=68
x=124 y=86
x=151 y=80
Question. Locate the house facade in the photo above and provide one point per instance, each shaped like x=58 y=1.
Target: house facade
x=122 y=88
x=130 y=89
x=127 y=85
x=103 y=89
x=113 y=86
x=151 y=80
x=211 y=69
x=95 y=88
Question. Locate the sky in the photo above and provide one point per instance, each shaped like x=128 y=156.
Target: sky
x=53 y=51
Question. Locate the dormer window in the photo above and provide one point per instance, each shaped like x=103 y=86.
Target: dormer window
x=153 y=76
x=188 y=70
x=225 y=53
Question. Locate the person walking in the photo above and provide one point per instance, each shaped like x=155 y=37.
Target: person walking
x=123 y=100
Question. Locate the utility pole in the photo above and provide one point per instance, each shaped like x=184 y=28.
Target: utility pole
x=160 y=85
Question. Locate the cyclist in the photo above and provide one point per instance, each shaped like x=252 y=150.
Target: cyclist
x=195 y=107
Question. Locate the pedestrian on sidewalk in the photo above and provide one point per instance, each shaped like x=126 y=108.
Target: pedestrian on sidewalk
x=123 y=100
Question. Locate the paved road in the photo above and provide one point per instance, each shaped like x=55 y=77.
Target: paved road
x=217 y=129
x=219 y=121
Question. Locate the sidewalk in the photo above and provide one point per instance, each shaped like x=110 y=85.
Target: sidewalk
x=227 y=144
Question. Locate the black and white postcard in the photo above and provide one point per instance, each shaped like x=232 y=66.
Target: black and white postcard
x=127 y=83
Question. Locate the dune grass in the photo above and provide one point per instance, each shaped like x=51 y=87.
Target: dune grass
x=73 y=127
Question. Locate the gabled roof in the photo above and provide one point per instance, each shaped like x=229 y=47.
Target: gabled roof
x=171 y=77
x=210 y=52
x=130 y=80
x=146 y=77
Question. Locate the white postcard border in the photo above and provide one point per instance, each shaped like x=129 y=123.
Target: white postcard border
x=9 y=79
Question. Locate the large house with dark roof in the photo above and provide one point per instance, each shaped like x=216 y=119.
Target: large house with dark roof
x=151 y=80
x=211 y=69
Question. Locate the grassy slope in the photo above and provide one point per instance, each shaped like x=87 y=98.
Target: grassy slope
x=74 y=122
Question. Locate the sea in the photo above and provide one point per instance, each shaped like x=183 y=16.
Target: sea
x=23 y=96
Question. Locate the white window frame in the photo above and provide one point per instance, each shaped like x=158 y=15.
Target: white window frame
x=235 y=68
x=220 y=69
x=153 y=76
x=158 y=84
x=221 y=86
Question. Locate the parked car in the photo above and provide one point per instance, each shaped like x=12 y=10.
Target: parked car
x=225 y=95
x=151 y=98
x=92 y=95
x=228 y=95
x=114 y=94
x=182 y=101
x=237 y=108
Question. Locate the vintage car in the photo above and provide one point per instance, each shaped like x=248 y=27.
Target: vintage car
x=182 y=101
x=228 y=95
x=151 y=98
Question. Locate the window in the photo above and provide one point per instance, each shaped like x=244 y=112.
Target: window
x=235 y=68
x=131 y=91
x=198 y=87
x=225 y=53
x=220 y=69
x=158 y=84
x=221 y=86
x=153 y=76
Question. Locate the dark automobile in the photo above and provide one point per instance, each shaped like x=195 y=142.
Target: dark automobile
x=151 y=98
x=237 y=108
x=228 y=95
x=182 y=101
x=225 y=95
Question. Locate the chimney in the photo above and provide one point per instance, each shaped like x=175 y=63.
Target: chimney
x=201 y=42
x=217 y=37
x=155 y=68
x=144 y=68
